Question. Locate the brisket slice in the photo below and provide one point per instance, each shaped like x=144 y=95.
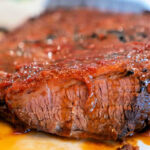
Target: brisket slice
x=78 y=73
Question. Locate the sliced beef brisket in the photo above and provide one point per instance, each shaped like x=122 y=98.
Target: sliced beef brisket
x=78 y=73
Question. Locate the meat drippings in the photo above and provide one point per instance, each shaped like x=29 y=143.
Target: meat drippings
x=11 y=140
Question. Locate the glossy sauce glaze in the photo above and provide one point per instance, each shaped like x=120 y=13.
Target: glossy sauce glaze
x=12 y=140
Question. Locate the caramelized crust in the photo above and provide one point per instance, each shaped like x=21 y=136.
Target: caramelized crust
x=78 y=73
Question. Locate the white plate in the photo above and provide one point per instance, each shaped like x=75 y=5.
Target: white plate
x=15 y=12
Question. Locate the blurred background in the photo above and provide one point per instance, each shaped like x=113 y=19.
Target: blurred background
x=14 y=12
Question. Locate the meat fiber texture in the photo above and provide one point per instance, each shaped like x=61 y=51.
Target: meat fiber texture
x=78 y=73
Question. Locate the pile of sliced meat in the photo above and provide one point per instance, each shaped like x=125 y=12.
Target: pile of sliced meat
x=78 y=73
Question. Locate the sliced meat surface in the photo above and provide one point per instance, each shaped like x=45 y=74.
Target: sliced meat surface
x=78 y=73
